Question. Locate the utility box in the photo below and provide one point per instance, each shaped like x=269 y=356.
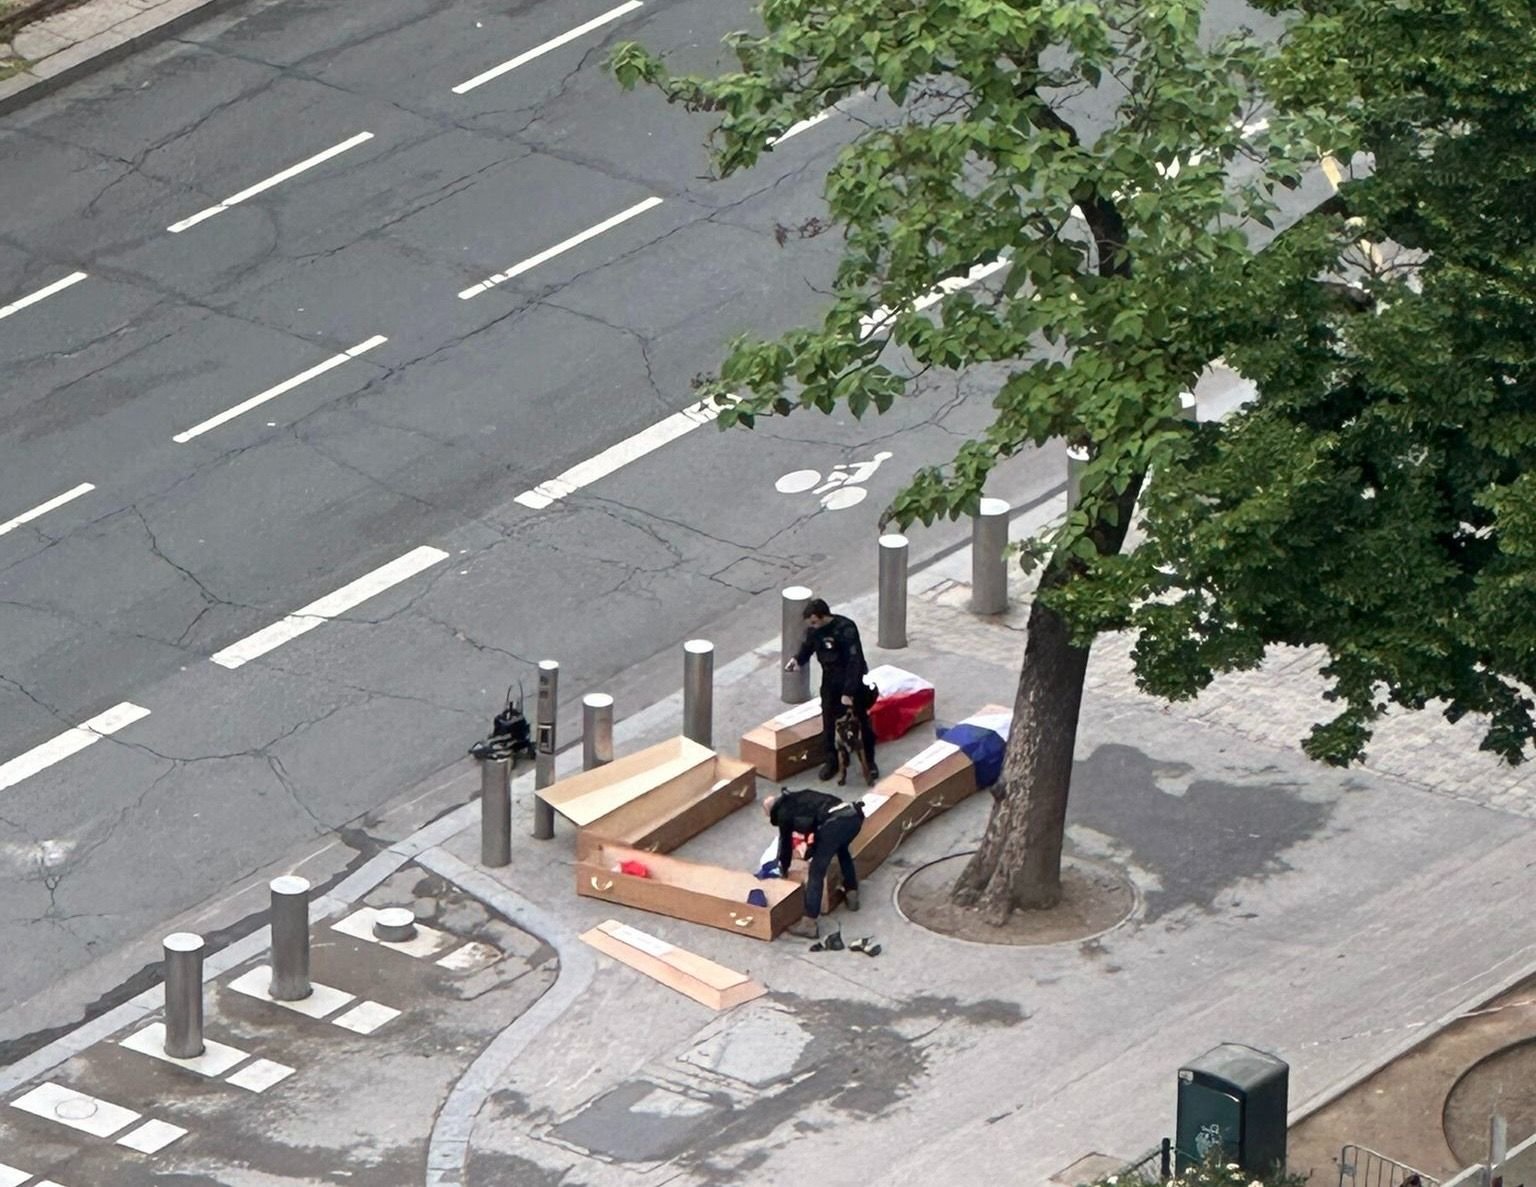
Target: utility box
x=1233 y=1102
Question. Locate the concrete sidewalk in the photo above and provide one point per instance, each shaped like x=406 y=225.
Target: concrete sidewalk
x=1331 y=917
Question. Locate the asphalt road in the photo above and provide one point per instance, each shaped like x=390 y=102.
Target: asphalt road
x=196 y=536
x=223 y=497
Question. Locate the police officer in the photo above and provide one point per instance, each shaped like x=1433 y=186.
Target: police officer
x=832 y=824
x=835 y=641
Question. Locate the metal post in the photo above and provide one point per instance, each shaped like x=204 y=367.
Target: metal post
x=183 y=995
x=989 y=561
x=495 y=812
x=794 y=687
x=596 y=730
x=544 y=747
x=893 y=592
x=1077 y=458
x=699 y=692
x=290 y=939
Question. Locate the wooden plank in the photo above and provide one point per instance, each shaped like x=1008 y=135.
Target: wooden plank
x=703 y=980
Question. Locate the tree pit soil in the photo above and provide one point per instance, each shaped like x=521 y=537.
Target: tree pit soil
x=1094 y=899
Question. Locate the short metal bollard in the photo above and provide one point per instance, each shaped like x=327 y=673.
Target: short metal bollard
x=596 y=730
x=794 y=687
x=699 y=692
x=495 y=812
x=989 y=557
x=183 y=995
x=893 y=592
x=544 y=747
x=290 y=939
x=395 y=925
x=1077 y=461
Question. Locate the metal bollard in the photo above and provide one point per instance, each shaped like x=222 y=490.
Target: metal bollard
x=596 y=730
x=544 y=747
x=989 y=559
x=290 y=939
x=699 y=692
x=183 y=995
x=794 y=687
x=495 y=812
x=1077 y=458
x=893 y=592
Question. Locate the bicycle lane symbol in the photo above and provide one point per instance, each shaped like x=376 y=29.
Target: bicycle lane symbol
x=843 y=487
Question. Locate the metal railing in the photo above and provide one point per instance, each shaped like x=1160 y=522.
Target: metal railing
x=1360 y=1166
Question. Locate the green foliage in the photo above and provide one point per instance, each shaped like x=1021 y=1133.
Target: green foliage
x=1212 y=1172
x=1379 y=498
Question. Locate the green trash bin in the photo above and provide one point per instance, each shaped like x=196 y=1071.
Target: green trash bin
x=1233 y=1102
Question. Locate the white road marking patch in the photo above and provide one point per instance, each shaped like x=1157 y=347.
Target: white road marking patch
x=260 y=1075
x=272 y=393
x=152 y=1137
x=880 y=319
x=71 y=741
x=42 y=509
x=41 y=294
x=55 y=1102
x=331 y=606
x=473 y=955
x=616 y=457
x=539 y=51
x=560 y=248
x=366 y=1017
x=11 y=1177
x=216 y=1059
x=322 y=1000
x=276 y=179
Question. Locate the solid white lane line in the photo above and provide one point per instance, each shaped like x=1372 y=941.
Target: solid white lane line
x=275 y=179
x=272 y=393
x=803 y=126
x=333 y=605
x=563 y=246
x=872 y=323
x=616 y=457
x=42 y=294
x=42 y=509
x=537 y=51
x=71 y=741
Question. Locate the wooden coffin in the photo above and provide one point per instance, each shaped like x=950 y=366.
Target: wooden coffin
x=706 y=982
x=676 y=810
x=884 y=827
x=711 y=895
x=586 y=798
x=787 y=744
x=936 y=779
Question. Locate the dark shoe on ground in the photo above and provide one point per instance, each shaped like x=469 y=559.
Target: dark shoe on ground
x=852 y=899
x=828 y=769
x=804 y=929
x=874 y=773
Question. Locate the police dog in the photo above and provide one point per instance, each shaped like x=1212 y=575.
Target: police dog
x=850 y=741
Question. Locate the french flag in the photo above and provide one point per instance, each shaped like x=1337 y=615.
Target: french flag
x=904 y=700
x=982 y=738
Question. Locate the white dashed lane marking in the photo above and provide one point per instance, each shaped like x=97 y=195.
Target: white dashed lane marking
x=40 y=295
x=42 y=509
x=276 y=179
x=71 y=741
x=539 y=51
x=560 y=248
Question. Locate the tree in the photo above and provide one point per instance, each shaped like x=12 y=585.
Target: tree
x=1088 y=144
x=1379 y=500
x=1112 y=157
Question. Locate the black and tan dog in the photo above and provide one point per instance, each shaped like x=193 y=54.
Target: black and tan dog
x=850 y=741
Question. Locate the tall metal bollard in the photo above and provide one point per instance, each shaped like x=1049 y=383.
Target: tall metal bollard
x=699 y=692
x=495 y=812
x=183 y=995
x=290 y=939
x=1077 y=459
x=794 y=687
x=989 y=559
x=596 y=730
x=544 y=747
x=893 y=592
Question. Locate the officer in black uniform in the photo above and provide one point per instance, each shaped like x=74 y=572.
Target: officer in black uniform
x=832 y=824
x=835 y=641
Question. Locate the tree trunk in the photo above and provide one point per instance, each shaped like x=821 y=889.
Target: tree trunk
x=1019 y=862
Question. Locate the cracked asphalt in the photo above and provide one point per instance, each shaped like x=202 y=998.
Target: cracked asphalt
x=183 y=549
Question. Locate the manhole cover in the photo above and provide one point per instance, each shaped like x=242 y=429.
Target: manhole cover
x=640 y=1121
